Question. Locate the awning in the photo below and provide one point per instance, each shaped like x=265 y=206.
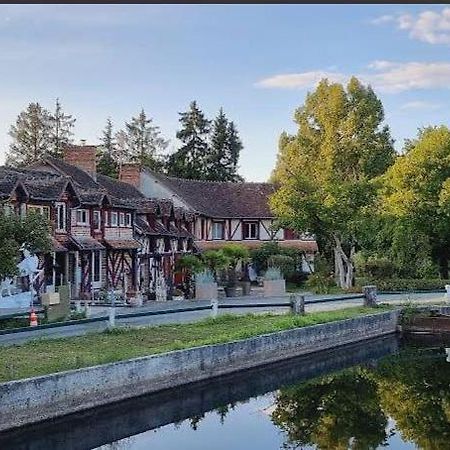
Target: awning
x=123 y=244
x=58 y=247
x=86 y=243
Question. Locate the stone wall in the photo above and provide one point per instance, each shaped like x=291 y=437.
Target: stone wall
x=35 y=399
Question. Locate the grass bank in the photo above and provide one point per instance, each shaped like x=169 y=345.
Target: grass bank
x=42 y=357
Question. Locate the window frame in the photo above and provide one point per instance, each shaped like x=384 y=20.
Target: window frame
x=86 y=213
x=121 y=219
x=213 y=229
x=248 y=236
x=97 y=213
x=61 y=225
x=44 y=210
x=114 y=222
x=128 y=222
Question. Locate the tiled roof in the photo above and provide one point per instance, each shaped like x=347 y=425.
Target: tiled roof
x=123 y=244
x=79 y=176
x=222 y=199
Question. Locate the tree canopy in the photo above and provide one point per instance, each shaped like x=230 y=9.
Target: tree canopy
x=326 y=172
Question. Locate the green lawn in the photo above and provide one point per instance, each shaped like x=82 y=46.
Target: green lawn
x=42 y=357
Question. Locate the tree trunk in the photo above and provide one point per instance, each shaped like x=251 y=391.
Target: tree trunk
x=343 y=264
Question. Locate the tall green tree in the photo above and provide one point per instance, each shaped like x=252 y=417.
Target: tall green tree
x=416 y=193
x=107 y=164
x=144 y=142
x=326 y=171
x=61 y=133
x=31 y=136
x=224 y=150
x=192 y=158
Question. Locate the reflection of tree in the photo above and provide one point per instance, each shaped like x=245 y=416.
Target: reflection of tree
x=415 y=392
x=335 y=412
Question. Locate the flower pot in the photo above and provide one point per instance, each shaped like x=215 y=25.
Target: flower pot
x=206 y=291
x=274 y=288
x=246 y=287
x=231 y=291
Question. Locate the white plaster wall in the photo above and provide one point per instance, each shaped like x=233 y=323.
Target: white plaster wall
x=238 y=233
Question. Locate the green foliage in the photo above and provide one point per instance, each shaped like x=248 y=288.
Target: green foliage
x=273 y=273
x=236 y=253
x=374 y=266
x=285 y=263
x=204 y=277
x=322 y=280
x=107 y=164
x=191 y=159
x=215 y=260
x=31 y=231
x=193 y=264
x=404 y=284
x=325 y=172
x=61 y=133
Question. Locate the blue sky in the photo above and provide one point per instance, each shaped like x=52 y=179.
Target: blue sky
x=257 y=61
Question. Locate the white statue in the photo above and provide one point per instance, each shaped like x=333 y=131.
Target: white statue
x=7 y=285
x=28 y=267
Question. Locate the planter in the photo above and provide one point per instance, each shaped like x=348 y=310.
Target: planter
x=274 y=288
x=207 y=291
x=246 y=287
x=178 y=297
x=231 y=291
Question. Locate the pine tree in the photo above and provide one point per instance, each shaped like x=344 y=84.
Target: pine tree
x=191 y=159
x=107 y=164
x=144 y=142
x=61 y=130
x=234 y=150
x=31 y=136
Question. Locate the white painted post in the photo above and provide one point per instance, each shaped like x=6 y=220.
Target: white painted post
x=214 y=307
x=447 y=291
x=112 y=317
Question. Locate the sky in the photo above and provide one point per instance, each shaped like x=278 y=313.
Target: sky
x=256 y=61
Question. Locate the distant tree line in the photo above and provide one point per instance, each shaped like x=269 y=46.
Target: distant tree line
x=209 y=149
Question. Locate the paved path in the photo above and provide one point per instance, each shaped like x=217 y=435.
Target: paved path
x=183 y=317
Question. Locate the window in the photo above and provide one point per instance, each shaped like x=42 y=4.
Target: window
x=43 y=210
x=60 y=217
x=96 y=266
x=250 y=230
x=122 y=219
x=114 y=221
x=218 y=230
x=82 y=217
x=97 y=220
x=128 y=220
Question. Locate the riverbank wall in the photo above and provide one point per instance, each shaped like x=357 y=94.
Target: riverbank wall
x=37 y=399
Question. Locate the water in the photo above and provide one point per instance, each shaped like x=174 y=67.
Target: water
x=373 y=395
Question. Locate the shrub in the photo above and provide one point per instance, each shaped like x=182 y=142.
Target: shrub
x=374 y=266
x=404 y=284
x=285 y=263
x=321 y=281
x=273 y=273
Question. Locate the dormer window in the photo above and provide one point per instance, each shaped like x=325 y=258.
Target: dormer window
x=114 y=219
x=122 y=219
x=97 y=220
x=128 y=220
x=82 y=217
x=61 y=217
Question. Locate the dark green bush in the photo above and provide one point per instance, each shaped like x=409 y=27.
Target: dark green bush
x=404 y=284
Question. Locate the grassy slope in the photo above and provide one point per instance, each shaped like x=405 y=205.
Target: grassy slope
x=42 y=357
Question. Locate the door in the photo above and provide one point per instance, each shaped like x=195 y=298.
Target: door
x=96 y=269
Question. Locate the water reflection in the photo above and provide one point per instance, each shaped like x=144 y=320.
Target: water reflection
x=355 y=398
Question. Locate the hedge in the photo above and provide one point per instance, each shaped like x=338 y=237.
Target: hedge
x=404 y=284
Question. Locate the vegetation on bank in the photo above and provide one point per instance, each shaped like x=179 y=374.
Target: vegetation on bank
x=42 y=357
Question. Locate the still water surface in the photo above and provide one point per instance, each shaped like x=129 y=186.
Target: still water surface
x=372 y=395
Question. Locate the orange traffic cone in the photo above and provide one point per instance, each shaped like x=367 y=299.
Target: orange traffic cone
x=33 y=319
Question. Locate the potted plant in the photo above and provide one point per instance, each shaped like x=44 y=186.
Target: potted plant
x=205 y=286
x=236 y=254
x=274 y=283
x=189 y=265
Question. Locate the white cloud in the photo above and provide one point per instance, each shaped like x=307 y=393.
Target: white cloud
x=386 y=76
x=428 y=26
x=420 y=104
x=383 y=19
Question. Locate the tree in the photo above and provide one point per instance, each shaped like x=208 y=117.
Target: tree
x=61 y=130
x=144 y=142
x=415 y=197
x=224 y=151
x=15 y=231
x=31 y=134
x=107 y=165
x=191 y=160
x=325 y=173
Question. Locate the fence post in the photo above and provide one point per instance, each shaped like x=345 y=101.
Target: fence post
x=214 y=307
x=112 y=317
x=297 y=304
x=370 y=296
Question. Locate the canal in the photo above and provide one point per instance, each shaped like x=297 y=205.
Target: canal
x=376 y=394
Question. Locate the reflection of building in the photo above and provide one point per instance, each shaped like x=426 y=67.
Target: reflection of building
x=224 y=211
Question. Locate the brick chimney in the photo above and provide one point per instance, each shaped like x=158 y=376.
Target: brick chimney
x=131 y=174
x=84 y=157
